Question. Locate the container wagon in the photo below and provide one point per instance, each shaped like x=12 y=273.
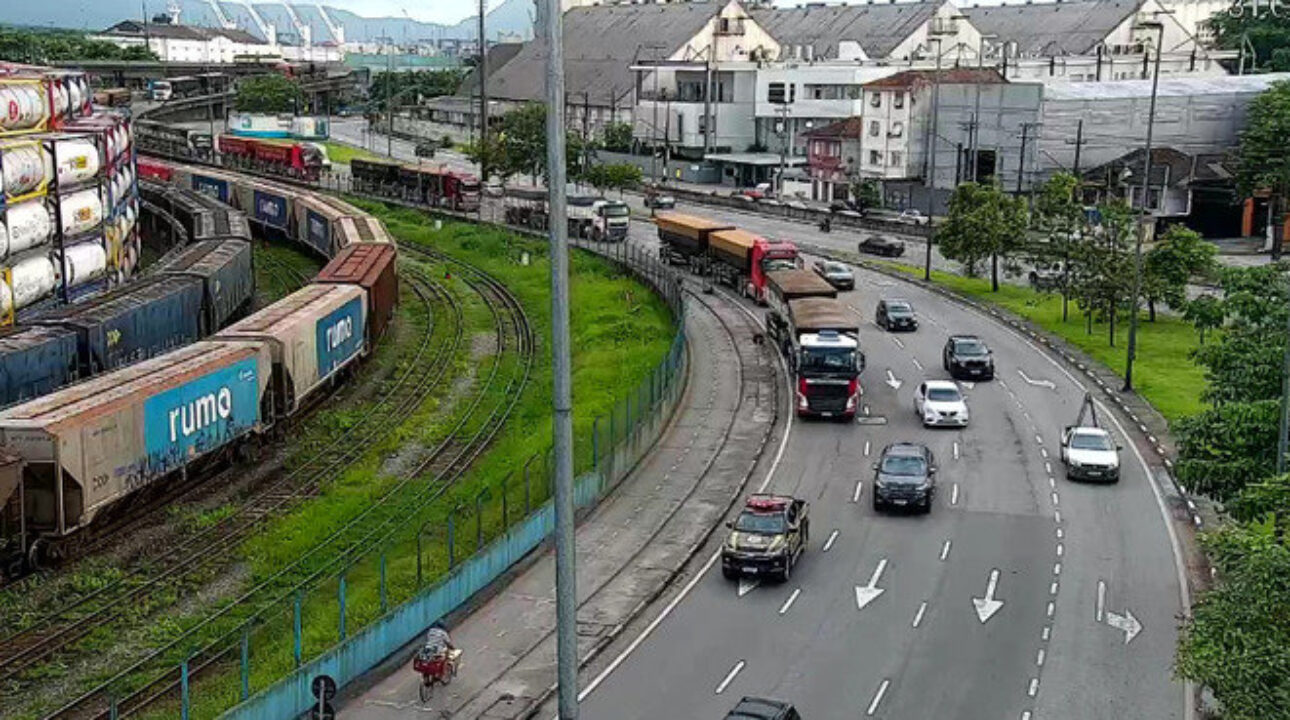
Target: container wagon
x=224 y=269
x=373 y=268
x=35 y=361
x=312 y=334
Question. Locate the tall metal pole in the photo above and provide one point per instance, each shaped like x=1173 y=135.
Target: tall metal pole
x=976 y=110
x=1284 y=438
x=931 y=162
x=389 y=99
x=1132 y=352
x=783 y=148
x=653 y=133
x=566 y=597
x=483 y=96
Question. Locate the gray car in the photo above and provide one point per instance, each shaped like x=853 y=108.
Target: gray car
x=837 y=274
x=905 y=477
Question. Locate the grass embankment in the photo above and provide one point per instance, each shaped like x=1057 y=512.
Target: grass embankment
x=620 y=333
x=1164 y=373
x=343 y=154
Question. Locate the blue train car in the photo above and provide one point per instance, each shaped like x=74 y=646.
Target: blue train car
x=224 y=269
x=35 y=361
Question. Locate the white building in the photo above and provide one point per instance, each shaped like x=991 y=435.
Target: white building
x=188 y=43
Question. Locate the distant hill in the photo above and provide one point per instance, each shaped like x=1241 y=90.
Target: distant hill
x=512 y=16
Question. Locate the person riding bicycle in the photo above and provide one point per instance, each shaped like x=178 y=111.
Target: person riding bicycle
x=438 y=642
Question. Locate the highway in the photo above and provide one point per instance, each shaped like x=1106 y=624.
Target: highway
x=1022 y=595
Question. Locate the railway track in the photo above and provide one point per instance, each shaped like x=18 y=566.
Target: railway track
x=153 y=677
x=56 y=630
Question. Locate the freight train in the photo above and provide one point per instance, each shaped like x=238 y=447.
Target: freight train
x=81 y=452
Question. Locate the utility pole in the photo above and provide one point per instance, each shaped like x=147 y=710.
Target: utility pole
x=976 y=108
x=783 y=148
x=1132 y=352
x=566 y=596
x=389 y=99
x=483 y=96
x=1079 y=145
x=932 y=131
x=1021 y=156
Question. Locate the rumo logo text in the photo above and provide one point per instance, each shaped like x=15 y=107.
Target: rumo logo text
x=202 y=412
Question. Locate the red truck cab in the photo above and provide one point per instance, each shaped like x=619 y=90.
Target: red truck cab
x=768 y=256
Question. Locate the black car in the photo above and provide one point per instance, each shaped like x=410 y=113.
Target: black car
x=753 y=708
x=884 y=246
x=841 y=206
x=967 y=356
x=896 y=315
x=905 y=476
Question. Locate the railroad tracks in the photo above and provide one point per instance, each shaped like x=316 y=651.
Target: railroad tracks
x=153 y=677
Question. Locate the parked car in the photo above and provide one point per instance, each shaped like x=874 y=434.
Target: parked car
x=754 y=708
x=912 y=217
x=896 y=315
x=905 y=476
x=884 y=246
x=656 y=201
x=1046 y=279
x=837 y=274
x=838 y=206
x=939 y=403
x=797 y=205
x=967 y=356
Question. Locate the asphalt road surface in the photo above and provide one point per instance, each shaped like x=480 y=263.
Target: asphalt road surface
x=1021 y=595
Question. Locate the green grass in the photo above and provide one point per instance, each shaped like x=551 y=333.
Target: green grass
x=277 y=267
x=620 y=331
x=1164 y=373
x=343 y=154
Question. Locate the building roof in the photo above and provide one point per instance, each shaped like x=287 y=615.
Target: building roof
x=1167 y=165
x=1169 y=87
x=852 y=127
x=600 y=44
x=498 y=56
x=1052 y=28
x=877 y=28
x=949 y=76
x=132 y=28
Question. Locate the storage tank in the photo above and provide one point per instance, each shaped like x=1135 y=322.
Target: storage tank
x=81 y=211
x=84 y=262
x=27 y=167
x=29 y=225
x=22 y=104
x=33 y=278
x=77 y=160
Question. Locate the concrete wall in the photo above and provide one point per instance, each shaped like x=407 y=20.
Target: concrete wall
x=675 y=170
x=1004 y=108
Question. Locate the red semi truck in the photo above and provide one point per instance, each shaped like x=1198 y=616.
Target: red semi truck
x=820 y=336
x=734 y=257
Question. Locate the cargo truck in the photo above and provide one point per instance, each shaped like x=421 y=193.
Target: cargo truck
x=733 y=257
x=590 y=217
x=820 y=336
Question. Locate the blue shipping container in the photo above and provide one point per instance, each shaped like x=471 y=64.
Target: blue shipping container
x=214 y=187
x=202 y=414
x=271 y=209
x=35 y=361
x=340 y=336
x=318 y=232
x=224 y=268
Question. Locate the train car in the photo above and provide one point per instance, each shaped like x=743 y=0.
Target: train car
x=91 y=444
x=132 y=323
x=35 y=361
x=224 y=269
x=361 y=229
x=312 y=334
x=373 y=268
x=316 y=225
x=266 y=204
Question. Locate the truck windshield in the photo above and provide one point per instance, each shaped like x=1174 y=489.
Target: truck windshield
x=778 y=264
x=828 y=360
x=761 y=523
x=615 y=211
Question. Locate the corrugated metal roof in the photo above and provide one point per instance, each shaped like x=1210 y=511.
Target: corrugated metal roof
x=878 y=28
x=1128 y=89
x=498 y=56
x=600 y=43
x=948 y=76
x=1055 y=28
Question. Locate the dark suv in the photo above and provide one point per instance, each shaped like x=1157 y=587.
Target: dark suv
x=895 y=315
x=905 y=476
x=752 y=708
x=966 y=356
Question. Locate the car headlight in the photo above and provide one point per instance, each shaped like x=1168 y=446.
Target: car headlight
x=1076 y=463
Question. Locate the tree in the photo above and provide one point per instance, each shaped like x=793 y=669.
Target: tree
x=1223 y=449
x=866 y=193
x=1237 y=642
x=523 y=136
x=1264 y=155
x=271 y=93
x=1059 y=220
x=1205 y=313
x=624 y=176
x=983 y=222
x=411 y=87
x=1102 y=277
x=1268 y=32
x=597 y=176
x=46 y=46
x=1245 y=363
x=1170 y=264
x=494 y=151
x=618 y=137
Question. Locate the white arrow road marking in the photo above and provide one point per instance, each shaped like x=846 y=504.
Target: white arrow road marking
x=855 y=497
x=730 y=677
x=746 y=586
x=1038 y=383
x=987 y=606
x=789 y=602
x=1126 y=623
x=893 y=381
x=828 y=544
x=866 y=594
x=877 y=698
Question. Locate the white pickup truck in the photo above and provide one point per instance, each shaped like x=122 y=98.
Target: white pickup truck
x=1089 y=453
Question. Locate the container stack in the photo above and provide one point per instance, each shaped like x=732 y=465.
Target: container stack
x=69 y=198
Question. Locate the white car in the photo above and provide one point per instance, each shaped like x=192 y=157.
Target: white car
x=938 y=403
x=912 y=217
x=1089 y=454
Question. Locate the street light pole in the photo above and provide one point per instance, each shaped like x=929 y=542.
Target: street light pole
x=566 y=597
x=1132 y=352
x=1284 y=437
x=931 y=161
x=483 y=97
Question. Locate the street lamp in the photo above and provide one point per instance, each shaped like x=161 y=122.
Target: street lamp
x=1132 y=351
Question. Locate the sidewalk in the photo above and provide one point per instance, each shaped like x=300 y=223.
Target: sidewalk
x=628 y=550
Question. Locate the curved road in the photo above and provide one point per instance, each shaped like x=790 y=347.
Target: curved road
x=1087 y=575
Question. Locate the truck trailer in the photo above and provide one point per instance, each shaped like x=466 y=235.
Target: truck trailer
x=820 y=336
x=590 y=217
x=734 y=257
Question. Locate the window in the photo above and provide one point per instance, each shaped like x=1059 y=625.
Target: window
x=897 y=129
x=875 y=157
x=775 y=93
x=898 y=100
x=875 y=99
x=874 y=128
x=896 y=159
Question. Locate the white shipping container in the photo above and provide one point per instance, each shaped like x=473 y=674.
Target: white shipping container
x=26 y=166
x=81 y=211
x=29 y=224
x=77 y=160
x=84 y=262
x=33 y=279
